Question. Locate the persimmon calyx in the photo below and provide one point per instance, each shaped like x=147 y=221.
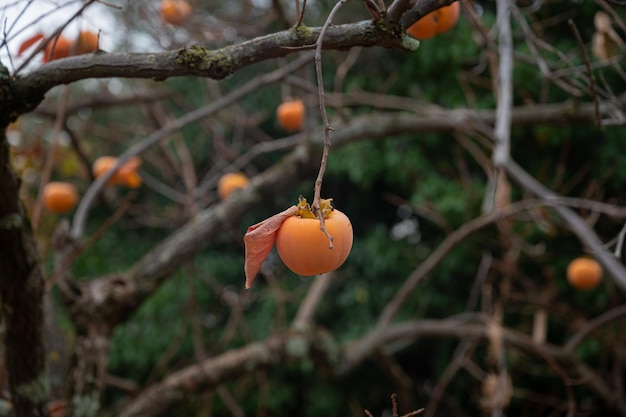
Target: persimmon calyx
x=305 y=211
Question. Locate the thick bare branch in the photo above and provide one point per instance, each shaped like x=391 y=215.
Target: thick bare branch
x=147 y=274
x=576 y=224
x=29 y=90
x=21 y=285
x=209 y=373
x=472 y=327
x=163 y=133
x=502 y=129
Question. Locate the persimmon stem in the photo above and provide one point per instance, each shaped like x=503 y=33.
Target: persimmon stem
x=315 y=206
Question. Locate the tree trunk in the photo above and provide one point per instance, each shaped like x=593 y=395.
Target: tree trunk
x=91 y=356
x=21 y=292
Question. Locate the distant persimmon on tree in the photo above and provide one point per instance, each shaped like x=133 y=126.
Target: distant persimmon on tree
x=60 y=197
x=584 y=273
x=126 y=175
x=436 y=22
x=230 y=182
x=290 y=115
x=175 y=12
x=57 y=48
x=86 y=42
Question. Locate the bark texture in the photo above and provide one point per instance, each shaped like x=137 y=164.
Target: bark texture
x=21 y=292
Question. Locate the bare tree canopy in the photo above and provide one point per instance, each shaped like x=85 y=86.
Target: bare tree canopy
x=448 y=172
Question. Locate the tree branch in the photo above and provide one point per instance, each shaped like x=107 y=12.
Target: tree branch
x=29 y=90
x=207 y=374
x=147 y=274
x=576 y=224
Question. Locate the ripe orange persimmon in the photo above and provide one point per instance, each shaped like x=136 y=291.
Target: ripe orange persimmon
x=57 y=48
x=125 y=175
x=59 y=197
x=305 y=249
x=230 y=182
x=86 y=42
x=175 y=12
x=584 y=273
x=435 y=22
x=290 y=115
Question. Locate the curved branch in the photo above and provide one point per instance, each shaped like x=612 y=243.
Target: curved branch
x=592 y=325
x=473 y=326
x=576 y=224
x=29 y=90
x=279 y=348
x=80 y=218
x=207 y=374
x=149 y=272
x=421 y=9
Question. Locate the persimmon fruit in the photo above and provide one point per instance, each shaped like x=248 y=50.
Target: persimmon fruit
x=57 y=48
x=175 y=12
x=290 y=115
x=126 y=175
x=584 y=273
x=86 y=42
x=436 y=22
x=59 y=197
x=229 y=183
x=305 y=248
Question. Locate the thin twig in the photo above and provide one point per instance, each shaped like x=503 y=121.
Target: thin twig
x=616 y=3
x=315 y=206
x=69 y=260
x=397 y=9
x=80 y=218
x=311 y=301
x=50 y=154
x=486 y=261
x=54 y=37
x=461 y=356
x=592 y=325
x=413 y=413
x=592 y=84
x=394 y=405
x=502 y=129
x=459 y=235
x=576 y=224
x=620 y=242
x=300 y=13
x=374 y=9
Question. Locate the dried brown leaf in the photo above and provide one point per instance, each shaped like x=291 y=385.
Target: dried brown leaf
x=259 y=240
x=29 y=42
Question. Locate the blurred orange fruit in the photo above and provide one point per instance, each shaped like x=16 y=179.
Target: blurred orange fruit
x=290 y=115
x=230 y=182
x=175 y=12
x=86 y=42
x=584 y=273
x=125 y=175
x=59 y=197
x=57 y=48
x=435 y=22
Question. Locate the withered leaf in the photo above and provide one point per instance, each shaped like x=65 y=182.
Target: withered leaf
x=259 y=240
x=29 y=42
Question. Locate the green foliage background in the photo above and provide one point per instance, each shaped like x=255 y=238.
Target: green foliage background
x=367 y=180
